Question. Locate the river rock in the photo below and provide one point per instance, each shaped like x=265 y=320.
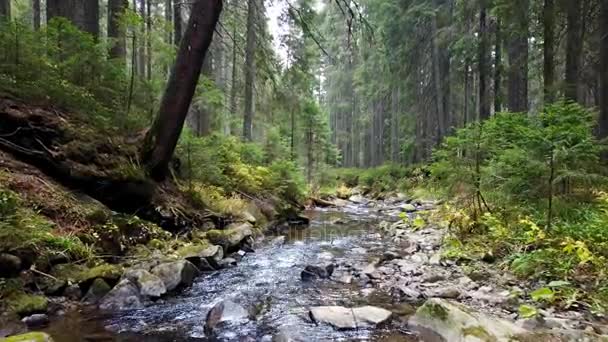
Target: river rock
x=149 y=284
x=313 y=272
x=224 y=312
x=227 y=263
x=407 y=208
x=358 y=199
x=444 y=292
x=347 y=318
x=176 y=273
x=10 y=324
x=98 y=289
x=457 y=323
x=232 y=236
x=30 y=337
x=36 y=320
x=10 y=265
x=124 y=296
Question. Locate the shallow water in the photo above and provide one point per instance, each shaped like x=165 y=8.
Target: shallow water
x=268 y=281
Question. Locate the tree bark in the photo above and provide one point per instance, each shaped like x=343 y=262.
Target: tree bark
x=118 y=51
x=141 y=62
x=603 y=122
x=497 y=67
x=84 y=14
x=36 y=14
x=177 y=22
x=149 y=40
x=549 y=51
x=250 y=70
x=163 y=136
x=5 y=9
x=484 y=57
x=91 y=17
x=574 y=50
x=169 y=20
x=518 y=58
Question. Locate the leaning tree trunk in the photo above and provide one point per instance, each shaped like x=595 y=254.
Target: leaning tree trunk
x=163 y=136
x=118 y=51
x=603 y=124
x=574 y=49
x=5 y=9
x=249 y=71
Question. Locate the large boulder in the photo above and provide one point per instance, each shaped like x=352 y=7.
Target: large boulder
x=457 y=323
x=232 y=237
x=176 y=273
x=149 y=285
x=98 y=289
x=30 y=337
x=124 y=296
x=225 y=312
x=313 y=272
x=358 y=199
x=349 y=318
x=204 y=257
x=10 y=265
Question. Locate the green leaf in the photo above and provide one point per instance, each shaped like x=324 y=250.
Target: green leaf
x=558 y=283
x=527 y=311
x=543 y=294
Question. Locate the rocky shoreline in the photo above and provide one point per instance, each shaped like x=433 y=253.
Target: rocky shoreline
x=438 y=298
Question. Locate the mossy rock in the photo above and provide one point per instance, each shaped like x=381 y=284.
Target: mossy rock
x=232 y=236
x=201 y=249
x=30 y=337
x=81 y=274
x=25 y=304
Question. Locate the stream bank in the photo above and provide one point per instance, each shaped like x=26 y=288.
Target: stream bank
x=380 y=264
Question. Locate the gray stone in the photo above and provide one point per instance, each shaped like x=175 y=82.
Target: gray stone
x=444 y=292
x=177 y=273
x=149 y=284
x=124 y=296
x=73 y=292
x=407 y=208
x=36 y=320
x=347 y=318
x=225 y=312
x=456 y=323
x=228 y=262
x=98 y=289
x=433 y=278
x=10 y=265
x=358 y=199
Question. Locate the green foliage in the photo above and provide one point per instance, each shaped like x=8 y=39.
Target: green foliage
x=514 y=165
x=236 y=167
x=24 y=229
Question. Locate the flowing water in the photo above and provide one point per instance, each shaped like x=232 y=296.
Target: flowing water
x=268 y=282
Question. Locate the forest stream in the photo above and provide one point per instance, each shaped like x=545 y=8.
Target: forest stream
x=268 y=283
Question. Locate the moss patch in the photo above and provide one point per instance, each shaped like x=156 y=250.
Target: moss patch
x=434 y=310
x=29 y=337
x=479 y=332
x=25 y=304
x=80 y=273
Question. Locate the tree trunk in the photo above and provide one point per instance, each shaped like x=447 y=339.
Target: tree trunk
x=149 y=39
x=484 y=57
x=163 y=136
x=603 y=122
x=5 y=9
x=574 y=50
x=177 y=22
x=36 y=14
x=518 y=59
x=549 y=51
x=84 y=14
x=91 y=17
x=250 y=70
x=437 y=82
x=395 y=124
x=141 y=62
x=118 y=51
x=169 y=20
x=497 y=67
